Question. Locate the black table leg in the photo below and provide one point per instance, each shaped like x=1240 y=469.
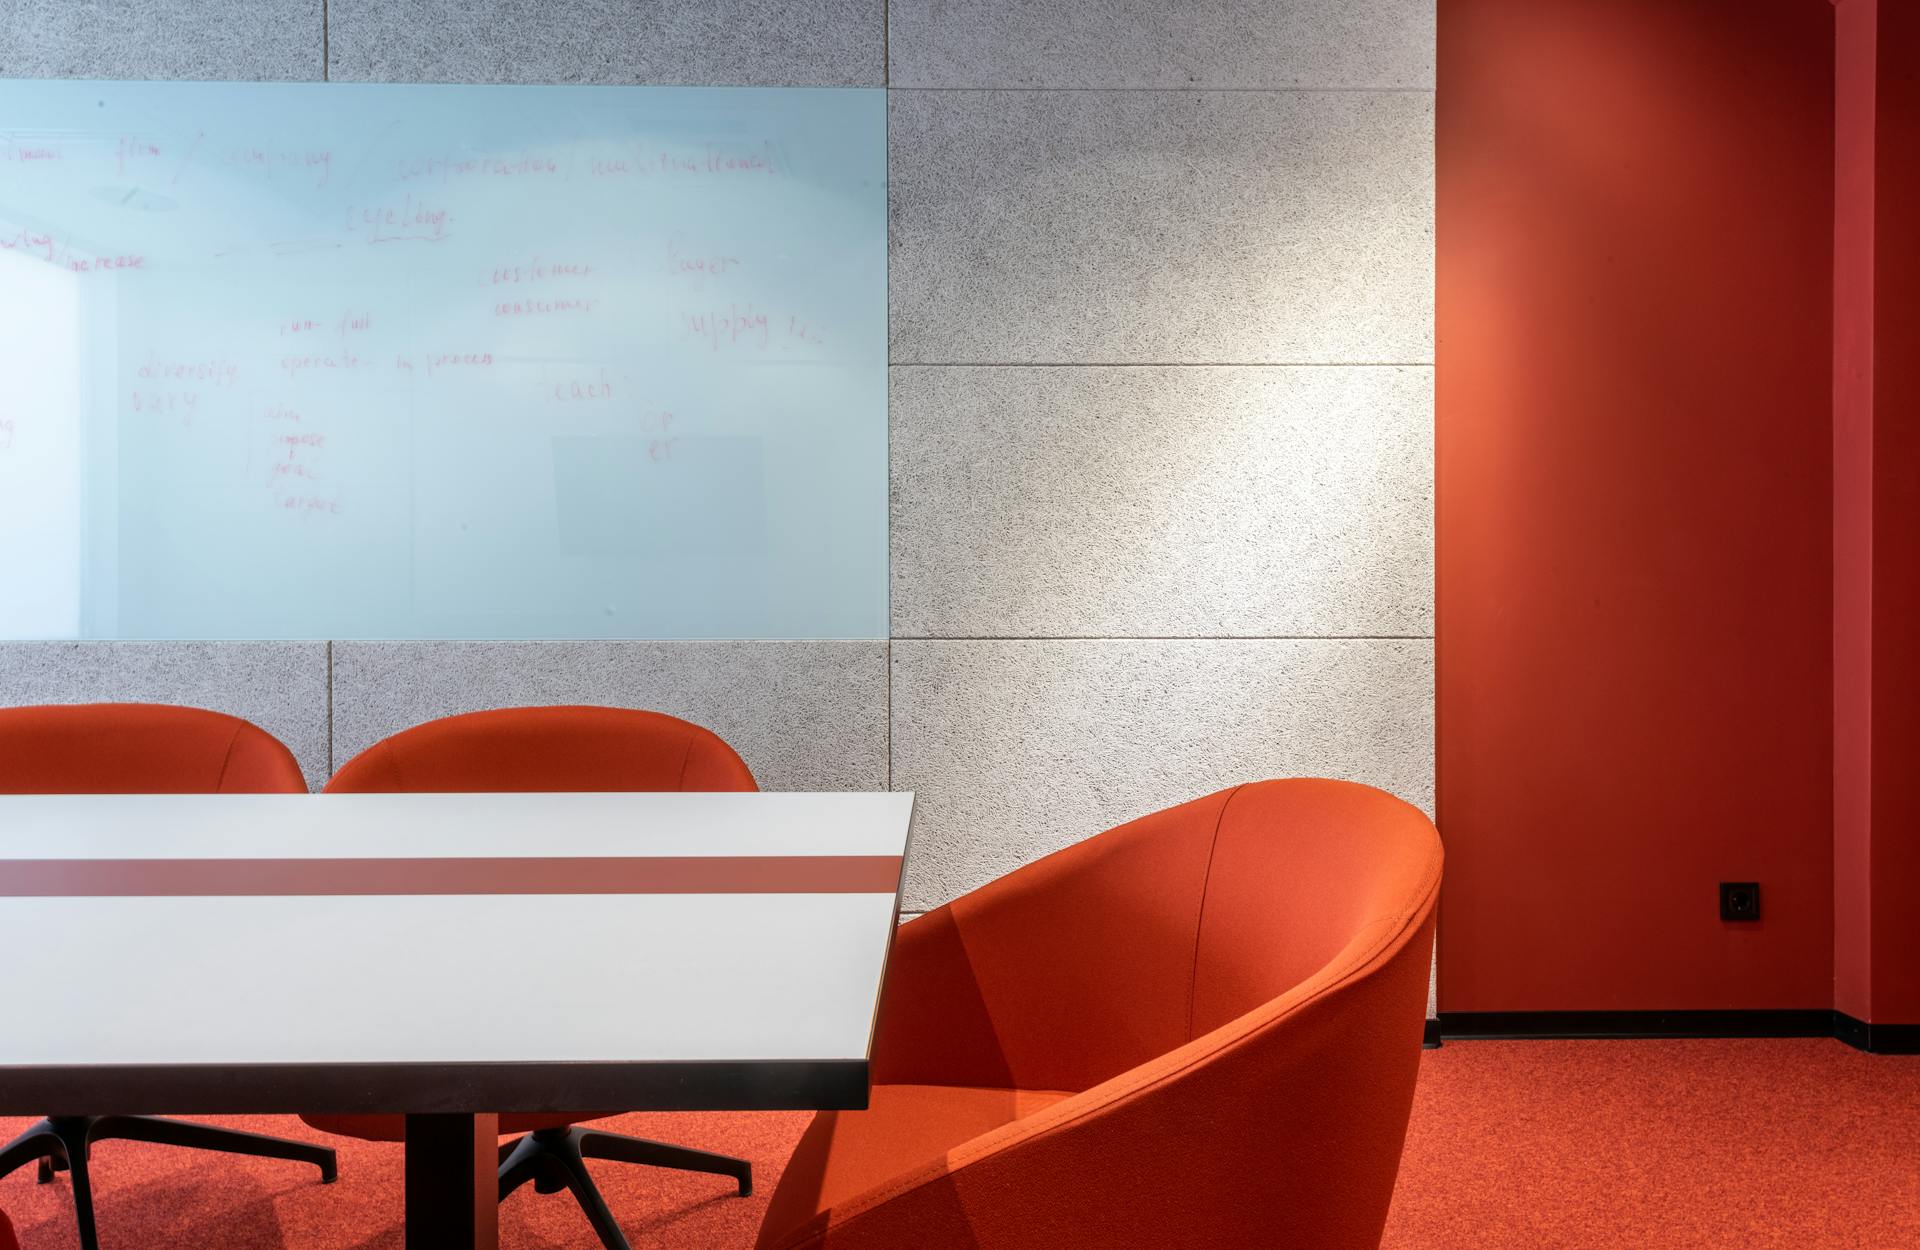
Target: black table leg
x=453 y=1186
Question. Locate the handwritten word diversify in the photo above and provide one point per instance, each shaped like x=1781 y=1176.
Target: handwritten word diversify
x=215 y=371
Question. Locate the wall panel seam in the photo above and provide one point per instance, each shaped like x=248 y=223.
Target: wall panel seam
x=1159 y=364
x=1191 y=90
x=1161 y=638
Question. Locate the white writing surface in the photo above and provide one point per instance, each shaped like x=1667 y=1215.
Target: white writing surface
x=341 y=361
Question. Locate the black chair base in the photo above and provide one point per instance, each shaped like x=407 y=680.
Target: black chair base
x=64 y=1143
x=553 y=1159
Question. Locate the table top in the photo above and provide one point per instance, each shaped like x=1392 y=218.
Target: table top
x=443 y=952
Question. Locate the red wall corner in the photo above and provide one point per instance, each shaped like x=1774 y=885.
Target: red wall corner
x=1853 y=261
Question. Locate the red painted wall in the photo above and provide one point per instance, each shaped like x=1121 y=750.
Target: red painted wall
x=1895 y=851
x=1635 y=213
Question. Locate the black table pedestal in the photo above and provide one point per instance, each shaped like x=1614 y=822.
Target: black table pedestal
x=453 y=1185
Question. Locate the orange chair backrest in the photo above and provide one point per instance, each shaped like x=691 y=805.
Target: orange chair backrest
x=1231 y=990
x=1300 y=872
x=547 y=748
x=140 y=748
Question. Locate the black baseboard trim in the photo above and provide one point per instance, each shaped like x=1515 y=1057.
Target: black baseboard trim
x=1882 y=1039
x=1432 y=1039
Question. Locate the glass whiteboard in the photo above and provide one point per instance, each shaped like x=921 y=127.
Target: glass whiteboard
x=342 y=361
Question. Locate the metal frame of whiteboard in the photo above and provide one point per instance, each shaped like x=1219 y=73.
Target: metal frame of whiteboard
x=322 y=360
x=443 y=953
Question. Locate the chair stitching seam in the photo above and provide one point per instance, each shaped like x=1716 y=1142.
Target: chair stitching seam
x=686 y=762
x=226 y=761
x=1200 y=914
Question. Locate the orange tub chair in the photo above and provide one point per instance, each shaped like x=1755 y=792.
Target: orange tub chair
x=1200 y=1029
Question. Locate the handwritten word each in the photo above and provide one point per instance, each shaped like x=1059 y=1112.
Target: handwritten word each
x=575 y=390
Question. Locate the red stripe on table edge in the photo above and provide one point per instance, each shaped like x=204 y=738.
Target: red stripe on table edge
x=664 y=874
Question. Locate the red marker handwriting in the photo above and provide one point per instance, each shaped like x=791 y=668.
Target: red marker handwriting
x=537 y=270
x=699 y=265
x=736 y=326
x=311 y=505
x=542 y=307
x=214 y=371
x=437 y=361
x=325 y=362
x=530 y=164
x=578 y=389
x=410 y=220
x=181 y=404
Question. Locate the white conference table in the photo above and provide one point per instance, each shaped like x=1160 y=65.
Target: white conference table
x=444 y=956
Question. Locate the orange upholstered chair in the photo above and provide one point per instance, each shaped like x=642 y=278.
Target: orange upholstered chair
x=1200 y=1029
x=551 y=749
x=138 y=748
x=7 y=1241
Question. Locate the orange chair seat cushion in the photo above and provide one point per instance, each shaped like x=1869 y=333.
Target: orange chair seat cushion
x=394 y=1127
x=845 y=1153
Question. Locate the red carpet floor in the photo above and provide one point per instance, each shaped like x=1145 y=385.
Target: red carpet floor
x=1651 y=1145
